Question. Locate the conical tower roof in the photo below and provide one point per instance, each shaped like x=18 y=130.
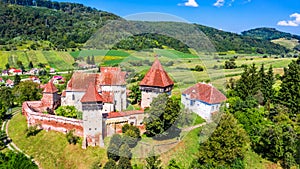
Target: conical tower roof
x=50 y=88
x=91 y=95
x=157 y=76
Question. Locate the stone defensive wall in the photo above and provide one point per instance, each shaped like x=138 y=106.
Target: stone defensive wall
x=50 y=122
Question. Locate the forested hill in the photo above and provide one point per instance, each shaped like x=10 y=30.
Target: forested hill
x=64 y=25
x=226 y=41
x=47 y=25
x=269 y=34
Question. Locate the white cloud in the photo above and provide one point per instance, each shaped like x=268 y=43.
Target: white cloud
x=219 y=3
x=190 y=3
x=294 y=22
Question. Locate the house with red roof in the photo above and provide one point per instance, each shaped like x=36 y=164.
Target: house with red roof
x=155 y=82
x=203 y=99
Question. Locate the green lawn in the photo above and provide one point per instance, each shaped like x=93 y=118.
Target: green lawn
x=51 y=149
x=85 y=53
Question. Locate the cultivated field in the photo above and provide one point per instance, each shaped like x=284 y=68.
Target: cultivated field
x=58 y=60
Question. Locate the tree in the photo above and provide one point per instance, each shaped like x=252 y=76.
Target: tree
x=125 y=151
x=111 y=164
x=248 y=84
x=72 y=139
x=17 y=80
x=266 y=84
x=30 y=65
x=230 y=64
x=279 y=144
x=131 y=134
x=124 y=163
x=289 y=94
x=135 y=94
x=16 y=160
x=161 y=115
x=228 y=142
x=93 y=60
x=173 y=165
x=27 y=91
x=7 y=66
x=88 y=60
x=6 y=97
x=114 y=147
x=153 y=161
x=68 y=111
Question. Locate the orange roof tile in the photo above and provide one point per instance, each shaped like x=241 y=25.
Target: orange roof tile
x=206 y=93
x=157 y=76
x=50 y=88
x=91 y=94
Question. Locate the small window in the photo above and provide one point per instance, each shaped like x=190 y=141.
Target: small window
x=73 y=97
x=90 y=129
x=95 y=128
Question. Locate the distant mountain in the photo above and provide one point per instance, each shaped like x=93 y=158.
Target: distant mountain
x=269 y=34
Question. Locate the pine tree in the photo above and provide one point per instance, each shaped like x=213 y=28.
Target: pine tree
x=289 y=94
x=30 y=65
x=266 y=84
x=93 y=60
x=88 y=60
x=17 y=80
x=248 y=84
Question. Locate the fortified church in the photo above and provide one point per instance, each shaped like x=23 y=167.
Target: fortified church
x=102 y=99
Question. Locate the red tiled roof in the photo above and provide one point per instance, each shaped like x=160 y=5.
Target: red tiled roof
x=50 y=88
x=91 y=94
x=80 y=81
x=157 y=76
x=123 y=114
x=111 y=76
x=206 y=93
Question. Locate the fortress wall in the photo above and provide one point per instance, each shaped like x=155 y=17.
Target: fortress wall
x=50 y=122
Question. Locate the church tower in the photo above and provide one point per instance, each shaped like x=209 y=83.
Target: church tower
x=93 y=120
x=155 y=82
x=50 y=97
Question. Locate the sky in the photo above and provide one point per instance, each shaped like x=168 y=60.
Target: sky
x=228 y=15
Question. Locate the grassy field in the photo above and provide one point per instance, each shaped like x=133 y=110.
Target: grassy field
x=288 y=43
x=51 y=149
x=55 y=59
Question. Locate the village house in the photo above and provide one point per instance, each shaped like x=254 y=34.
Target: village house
x=5 y=73
x=203 y=99
x=9 y=83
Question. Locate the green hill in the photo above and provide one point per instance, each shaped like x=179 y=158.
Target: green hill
x=64 y=25
x=269 y=34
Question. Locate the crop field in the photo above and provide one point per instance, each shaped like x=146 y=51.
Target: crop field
x=58 y=60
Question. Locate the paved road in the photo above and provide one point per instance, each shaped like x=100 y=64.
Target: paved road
x=12 y=146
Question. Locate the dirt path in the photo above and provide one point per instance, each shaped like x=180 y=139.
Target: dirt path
x=194 y=127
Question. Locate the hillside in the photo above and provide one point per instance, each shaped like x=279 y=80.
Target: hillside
x=48 y=25
x=64 y=25
x=269 y=34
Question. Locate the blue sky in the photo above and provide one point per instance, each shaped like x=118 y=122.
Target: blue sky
x=229 y=15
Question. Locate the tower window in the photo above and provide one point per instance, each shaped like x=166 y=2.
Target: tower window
x=73 y=97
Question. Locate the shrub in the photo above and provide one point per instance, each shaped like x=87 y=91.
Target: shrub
x=32 y=131
x=72 y=139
